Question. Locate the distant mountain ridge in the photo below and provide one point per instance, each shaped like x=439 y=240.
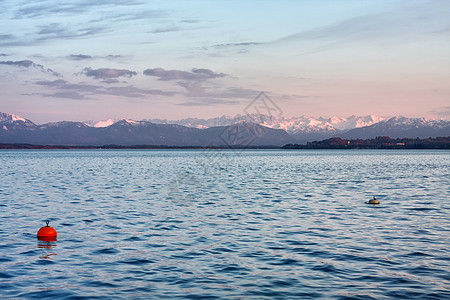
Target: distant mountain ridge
x=252 y=130
x=292 y=125
x=306 y=128
x=401 y=127
x=14 y=129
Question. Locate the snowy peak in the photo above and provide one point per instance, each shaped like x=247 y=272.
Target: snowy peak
x=293 y=125
x=109 y=122
x=10 y=122
x=354 y=122
x=104 y=123
x=64 y=124
x=401 y=121
x=17 y=118
x=129 y=122
x=10 y=118
x=308 y=124
x=402 y=127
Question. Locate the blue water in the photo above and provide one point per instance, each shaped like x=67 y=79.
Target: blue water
x=225 y=225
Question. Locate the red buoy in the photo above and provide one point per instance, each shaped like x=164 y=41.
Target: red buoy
x=47 y=233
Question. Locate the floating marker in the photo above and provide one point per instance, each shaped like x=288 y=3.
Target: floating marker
x=374 y=201
x=47 y=233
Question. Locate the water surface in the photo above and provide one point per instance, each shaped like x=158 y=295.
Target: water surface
x=225 y=224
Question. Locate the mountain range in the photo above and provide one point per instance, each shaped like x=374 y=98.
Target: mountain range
x=247 y=130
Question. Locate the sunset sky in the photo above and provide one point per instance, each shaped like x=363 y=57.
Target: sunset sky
x=94 y=60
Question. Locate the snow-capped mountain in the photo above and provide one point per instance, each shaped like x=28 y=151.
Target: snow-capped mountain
x=401 y=127
x=254 y=129
x=10 y=121
x=292 y=125
x=303 y=128
x=129 y=132
x=102 y=123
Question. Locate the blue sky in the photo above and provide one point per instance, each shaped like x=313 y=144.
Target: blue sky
x=93 y=60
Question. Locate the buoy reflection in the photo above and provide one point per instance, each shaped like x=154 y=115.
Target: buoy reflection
x=47 y=238
x=47 y=243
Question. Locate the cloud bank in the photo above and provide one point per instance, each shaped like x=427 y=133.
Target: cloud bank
x=30 y=64
x=90 y=57
x=79 y=57
x=106 y=73
x=194 y=74
x=84 y=91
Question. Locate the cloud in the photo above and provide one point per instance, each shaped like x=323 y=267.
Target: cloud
x=352 y=29
x=199 y=89
x=201 y=95
x=67 y=95
x=18 y=63
x=53 y=83
x=89 y=57
x=174 y=28
x=110 y=81
x=193 y=88
x=207 y=74
x=134 y=92
x=190 y=21
x=131 y=16
x=63 y=31
x=112 y=57
x=81 y=90
x=64 y=85
x=49 y=20
x=43 y=9
x=166 y=29
x=236 y=92
x=6 y=36
x=8 y=40
x=209 y=102
x=106 y=73
x=195 y=74
x=27 y=64
x=443 y=111
x=79 y=57
x=53 y=31
x=243 y=44
x=397 y=25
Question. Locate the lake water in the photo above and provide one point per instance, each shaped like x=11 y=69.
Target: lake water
x=142 y=224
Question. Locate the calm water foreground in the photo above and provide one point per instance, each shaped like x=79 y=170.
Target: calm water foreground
x=224 y=224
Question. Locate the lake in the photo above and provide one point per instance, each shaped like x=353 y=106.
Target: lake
x=216 y=224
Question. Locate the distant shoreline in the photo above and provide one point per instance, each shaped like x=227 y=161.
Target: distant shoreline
x=380 y=142
x=20 y=146
x=383 y=143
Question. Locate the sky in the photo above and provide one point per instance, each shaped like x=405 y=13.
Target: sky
x=95 y=60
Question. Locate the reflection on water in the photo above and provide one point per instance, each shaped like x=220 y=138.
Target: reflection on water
x=47 y=243
x=261 y=224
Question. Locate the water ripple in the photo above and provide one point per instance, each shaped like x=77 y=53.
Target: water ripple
x=258 y=225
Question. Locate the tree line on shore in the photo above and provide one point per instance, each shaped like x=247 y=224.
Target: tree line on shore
x=380 y=142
